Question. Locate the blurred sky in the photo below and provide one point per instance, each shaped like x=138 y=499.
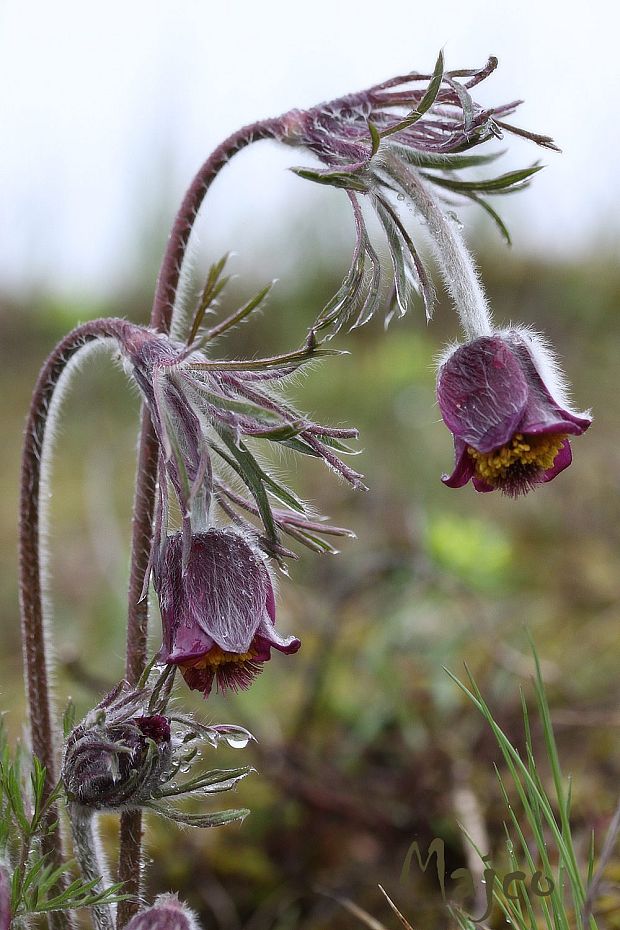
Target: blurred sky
x=107 y=109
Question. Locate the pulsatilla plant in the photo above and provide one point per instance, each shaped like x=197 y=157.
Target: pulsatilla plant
x=211 y=521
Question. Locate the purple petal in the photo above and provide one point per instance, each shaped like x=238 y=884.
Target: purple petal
x=199 y=679
x=482 y=393
x=481 y=485
x=155 y=726
x=562 y=461
x=266 y=637
x=168 y=913
x=184 y=642
x=228 y=587
x=221 y=597
x=542 y=413
x=463 y=469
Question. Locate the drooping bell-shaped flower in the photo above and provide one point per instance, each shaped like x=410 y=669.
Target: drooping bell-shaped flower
x=504 y=400
x=218 y=613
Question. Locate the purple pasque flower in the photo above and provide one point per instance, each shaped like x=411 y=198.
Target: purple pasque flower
x=402 y=140
x=218 y=612
x=503 y=398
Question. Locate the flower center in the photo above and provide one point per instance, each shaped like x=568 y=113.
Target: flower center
x=217 y=656
x=523 y=458
x=231 y=671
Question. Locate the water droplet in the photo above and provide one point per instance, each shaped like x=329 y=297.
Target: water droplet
x=455 y=219
x=237 y=740
x=400 y=197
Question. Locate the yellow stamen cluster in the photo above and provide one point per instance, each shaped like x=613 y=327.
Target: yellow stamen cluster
x=216 y=657
x=523 y=454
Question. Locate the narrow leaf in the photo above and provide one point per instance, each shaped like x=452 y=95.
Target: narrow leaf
x=68 y=718
x=467 y=104
x=410 y=276
x=213 y=287
x=217 y=819
x=486 y=206
x=425 y=103
x=215 y=780
x=375 y=137
x=294 y=359
x=499 y=185
x=249 y=471
x=447 y=162
x=342 y=179
x=238 y=315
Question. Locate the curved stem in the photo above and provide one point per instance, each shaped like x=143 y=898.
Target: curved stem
x=31 y=593
x=172 y=263
x=146 y=477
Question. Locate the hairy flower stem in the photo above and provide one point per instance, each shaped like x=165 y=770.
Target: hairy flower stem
x=146 y=476
x=33 y=615
x=456 y=264
x=87 y=850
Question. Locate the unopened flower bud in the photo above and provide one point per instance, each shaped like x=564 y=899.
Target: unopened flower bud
x=168 y=913
x=115 y=756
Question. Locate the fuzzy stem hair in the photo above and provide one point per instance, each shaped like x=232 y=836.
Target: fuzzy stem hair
x=455 y=261
x=88 y=852
x=35 y=615
x=130 y=861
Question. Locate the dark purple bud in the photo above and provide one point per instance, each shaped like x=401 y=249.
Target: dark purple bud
x=168 y=913
x=114 y=760
x=503 y=399
x=218 y=615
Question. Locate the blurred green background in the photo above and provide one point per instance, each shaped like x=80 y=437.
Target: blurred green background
x=364 y=744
